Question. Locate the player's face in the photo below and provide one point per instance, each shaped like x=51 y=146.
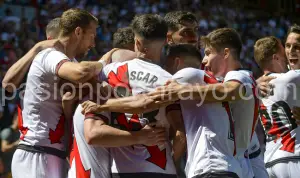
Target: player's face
x=292 y=50
x=213 y=61
x=86 y=40
x=187 y=33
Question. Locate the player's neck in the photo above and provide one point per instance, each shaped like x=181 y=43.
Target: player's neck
x=149 y=57
x=69 y=47
x=233 y=64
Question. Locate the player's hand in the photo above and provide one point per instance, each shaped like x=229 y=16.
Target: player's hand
x=89 y=107
x=264 y=87
x=146 y=103
x=107 y=57
x=151 y=136
x=51 y=44
x=172 y=91
x=296 y=114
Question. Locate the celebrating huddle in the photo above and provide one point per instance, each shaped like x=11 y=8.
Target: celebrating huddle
x=153 y=99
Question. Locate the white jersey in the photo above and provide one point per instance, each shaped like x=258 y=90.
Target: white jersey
x=256 y=158
x=88 y=161
x=245 y=115
x=131 y=78
x=43 y=120
x=209 y=130
x=245 y=112
x=280 y=128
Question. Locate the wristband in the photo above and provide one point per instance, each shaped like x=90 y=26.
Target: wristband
x=103 y=62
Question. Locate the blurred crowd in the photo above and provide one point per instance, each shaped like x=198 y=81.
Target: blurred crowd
x=18 y=34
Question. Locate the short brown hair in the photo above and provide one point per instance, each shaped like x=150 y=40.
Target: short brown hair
x=223 y=38
x=264 y=48
x=175 y=18
x=123 y=37
x=52 y=28
x=294 y=29
x=73 y=18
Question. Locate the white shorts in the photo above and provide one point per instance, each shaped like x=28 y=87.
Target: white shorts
x=37 y=165
x=246 y=167
x=258 y=167
x=289 y=169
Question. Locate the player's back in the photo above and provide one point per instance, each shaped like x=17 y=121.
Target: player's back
x=275 y=114
x=43 y=120
x=131 y=78
x=209 y=130
x=87 y=161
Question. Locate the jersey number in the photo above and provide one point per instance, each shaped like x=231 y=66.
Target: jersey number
x=279 y=124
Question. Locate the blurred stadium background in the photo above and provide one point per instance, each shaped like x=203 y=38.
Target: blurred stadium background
x=23 y=22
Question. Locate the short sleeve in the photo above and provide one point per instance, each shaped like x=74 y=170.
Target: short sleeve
x=6 y=134
x=103 y=75
x=189 y=76
x=53 y=60
x=104 y=116
x=242 y=77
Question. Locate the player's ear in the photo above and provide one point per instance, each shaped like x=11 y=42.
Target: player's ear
x=78 y=32
x=226 y=53
x=169 y=38
x=139 y=45
x=274 y=57
x=178 y=63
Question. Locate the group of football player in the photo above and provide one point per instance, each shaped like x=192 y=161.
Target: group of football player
x=153 y=102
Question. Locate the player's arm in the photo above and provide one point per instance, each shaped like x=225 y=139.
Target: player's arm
x=175 y=119
x=97 y=132
x=83 y=71
x=16 y=73
x=228 y=91
x=137 y=104
x=7 y=147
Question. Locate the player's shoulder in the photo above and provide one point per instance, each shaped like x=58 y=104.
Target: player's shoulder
x=243 y=75
x=189 y=72
x=50 y=53
x=189 y=75
x=242 y=72
x=291 y=75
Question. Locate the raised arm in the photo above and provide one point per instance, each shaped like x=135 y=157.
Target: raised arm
x=83 y=71
x=17 y=71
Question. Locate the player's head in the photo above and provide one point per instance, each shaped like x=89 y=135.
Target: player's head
x=149 y=35
x=179 y=56
x=221 y=48
x=124 y=38
x=80 y=26
x=52 y=29
x=292 y=47
x=182 y=27
x=269 y=55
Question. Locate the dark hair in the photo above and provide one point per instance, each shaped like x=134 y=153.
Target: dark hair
x=150 y=27
x=52 y=28
x=264 y=48
x=179 y=50
x=74 y=18
x=123 y=37
x=294 y=29
x=175 y=18
x=223 y=38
